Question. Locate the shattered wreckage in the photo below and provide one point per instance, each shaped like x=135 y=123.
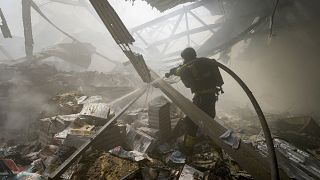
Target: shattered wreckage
x=79 y=124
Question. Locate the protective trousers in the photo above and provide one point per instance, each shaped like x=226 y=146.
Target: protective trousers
x=206 y=102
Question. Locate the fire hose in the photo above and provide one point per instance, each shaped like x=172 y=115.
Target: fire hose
x=263 y=122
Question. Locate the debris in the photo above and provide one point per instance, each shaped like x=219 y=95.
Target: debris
x=139 y=141
x=76 y=52
x=97 y=110
x=130 y=117
x=301 y=131
x=190 y=173
x=52 y=162
x=140 y=134
x=159 y=116
x=38 y=166
x=229 y=138
x=220 y=171
x=75 y=140
x=114 y=136
x=177 y=157
x=49 y=127
x=132 y=155
x=87 y=100
x=141 y=123
x=149 y=131
x=85 y=130
x=158 y=173
x=12 y=166
x=297 y=163
x=165 y=148
x=149 y=173
x=111 y=167
x=68 y=102
x=29 y=176
x=205 y=155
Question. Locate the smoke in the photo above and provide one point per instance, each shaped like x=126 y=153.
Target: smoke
x=282 y=72
x=25 y=104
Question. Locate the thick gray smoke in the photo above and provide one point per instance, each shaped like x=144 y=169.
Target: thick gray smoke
x=282 y=72
x=24 y=104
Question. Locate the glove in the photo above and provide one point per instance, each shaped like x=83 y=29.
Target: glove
x=173 y=71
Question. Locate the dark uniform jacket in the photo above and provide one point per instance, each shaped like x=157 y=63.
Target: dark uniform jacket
x=201 y=75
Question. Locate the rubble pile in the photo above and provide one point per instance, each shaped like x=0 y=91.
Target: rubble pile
x=132 y=148
x=111 y=167
x=59 y=136
x=53 y=115
x=296 y=137
x=144 y=143
x=26 y=89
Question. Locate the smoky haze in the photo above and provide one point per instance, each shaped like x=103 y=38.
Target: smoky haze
x=282 y=72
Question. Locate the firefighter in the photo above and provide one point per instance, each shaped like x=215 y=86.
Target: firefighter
x=203 y=77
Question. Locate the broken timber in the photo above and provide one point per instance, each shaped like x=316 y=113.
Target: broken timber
x=122 y=36
x=26 y=18
x=4 y=27
x=245 y=155
x=66 y=164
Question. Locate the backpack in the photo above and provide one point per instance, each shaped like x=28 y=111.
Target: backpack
x=201 y=75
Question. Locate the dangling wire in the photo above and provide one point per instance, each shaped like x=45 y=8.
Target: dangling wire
x=272 y=17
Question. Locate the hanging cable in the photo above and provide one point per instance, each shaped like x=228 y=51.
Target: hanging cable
x=272 y=17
